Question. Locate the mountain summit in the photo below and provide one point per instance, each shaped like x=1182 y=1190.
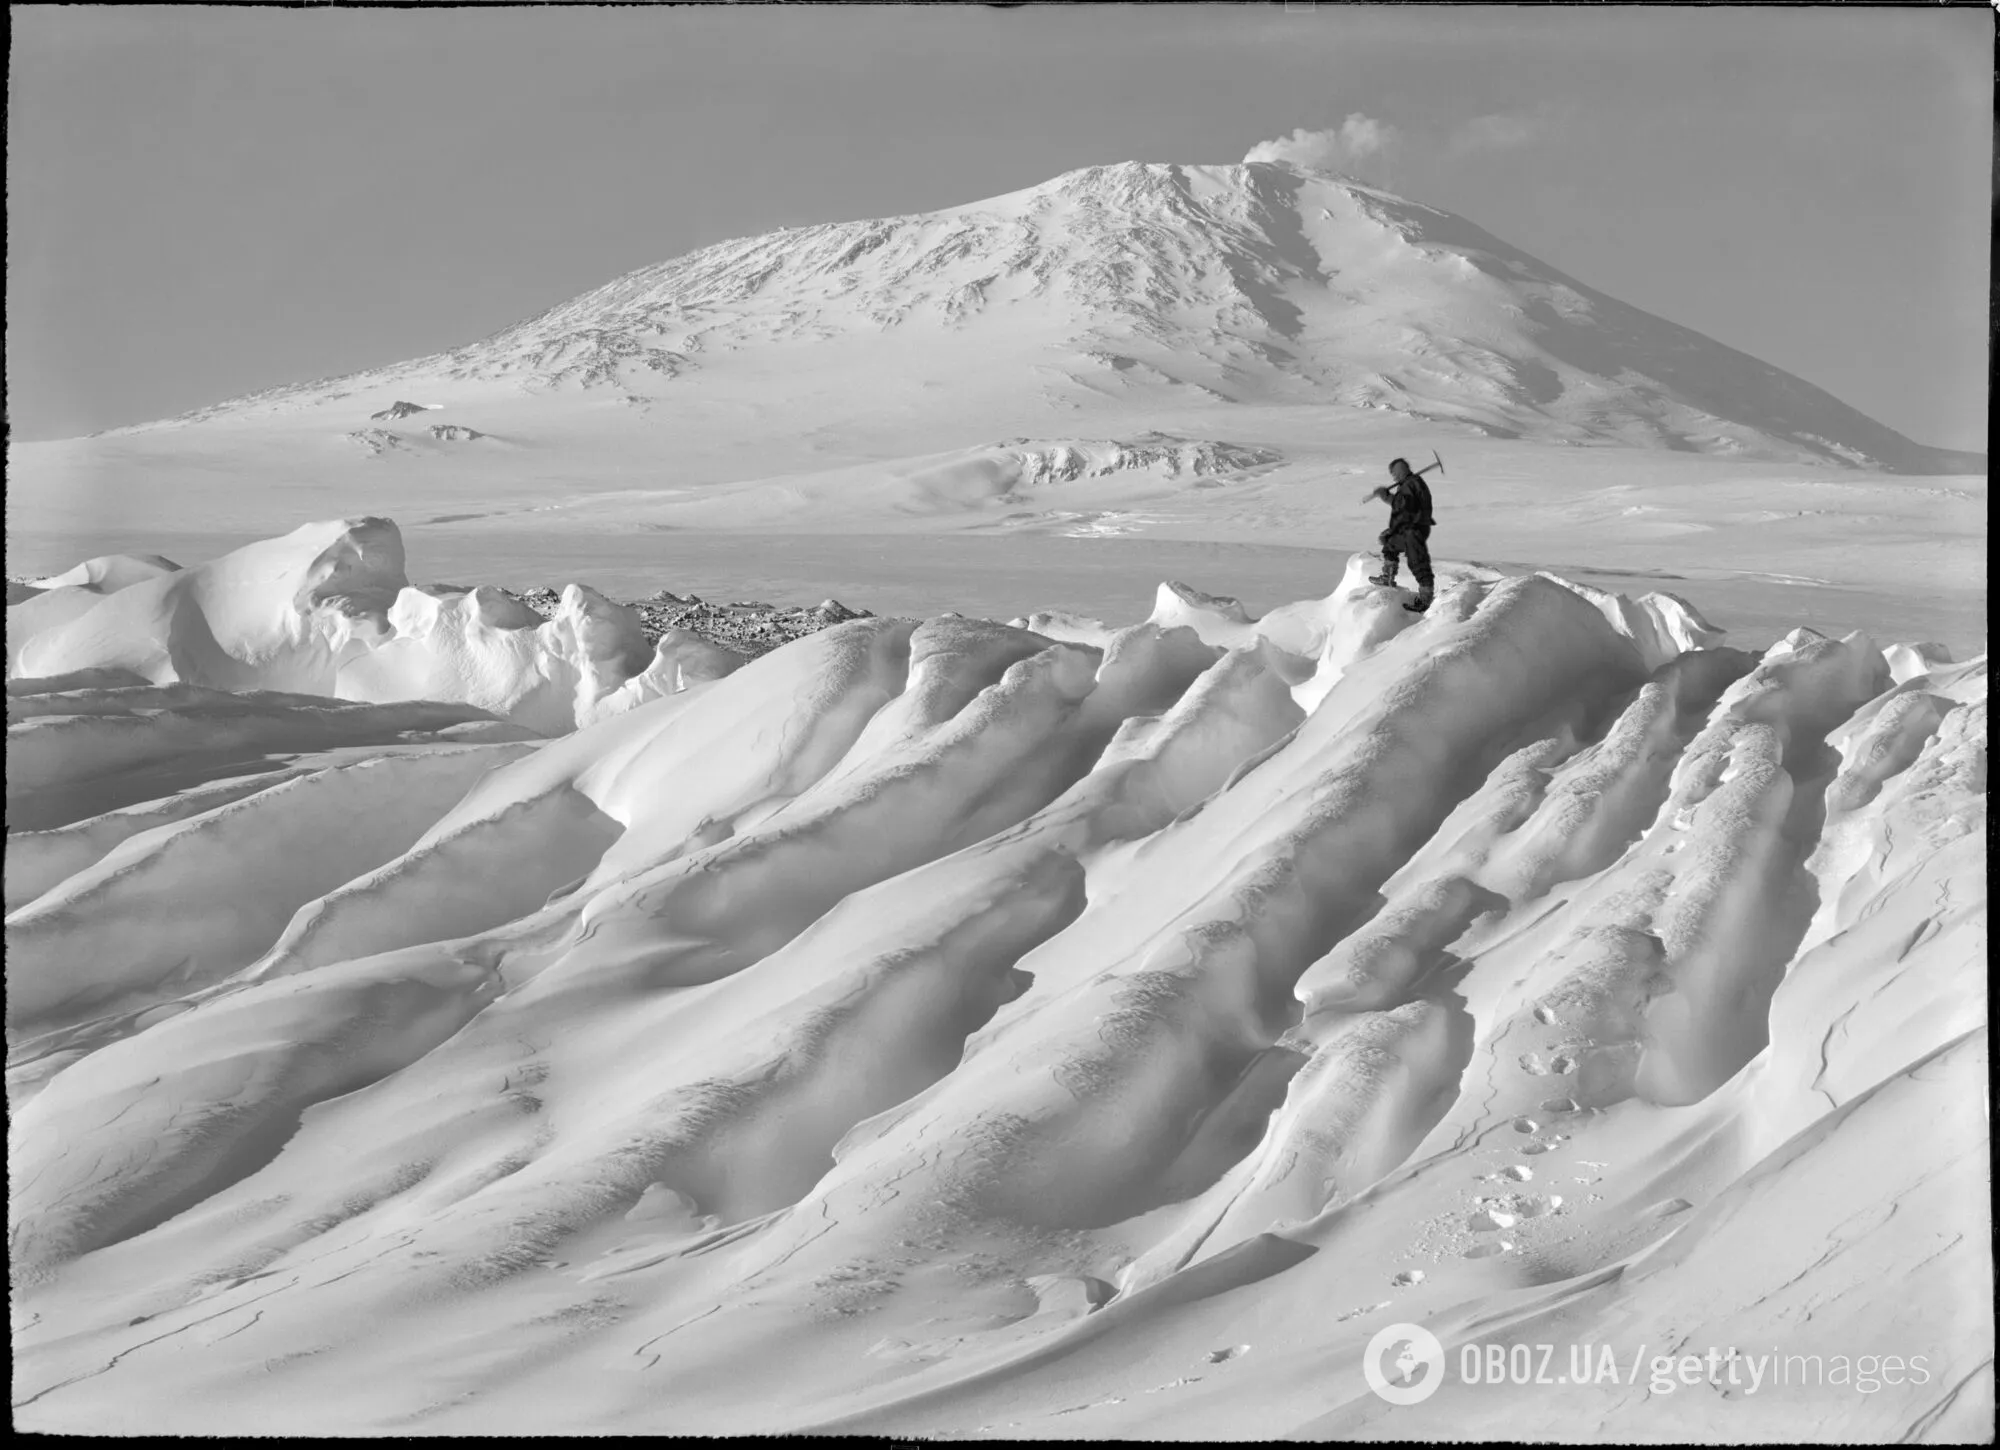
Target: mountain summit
x=1261 y=282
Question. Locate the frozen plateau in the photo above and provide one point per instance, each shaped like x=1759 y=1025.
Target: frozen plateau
x=1069 y=1002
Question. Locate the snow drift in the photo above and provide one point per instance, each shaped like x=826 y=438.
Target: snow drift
x=1039 y=1028
x=275 y=615
x=327 y=610
x=1014 y=475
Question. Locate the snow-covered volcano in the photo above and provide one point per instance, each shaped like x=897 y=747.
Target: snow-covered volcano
x=1255 y=283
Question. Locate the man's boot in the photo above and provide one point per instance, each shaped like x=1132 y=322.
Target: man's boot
x=1421 y=602
x=1387 y=577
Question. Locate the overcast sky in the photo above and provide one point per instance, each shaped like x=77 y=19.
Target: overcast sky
x=204 y=202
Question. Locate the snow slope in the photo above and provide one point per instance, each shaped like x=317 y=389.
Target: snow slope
x=1039 y=1029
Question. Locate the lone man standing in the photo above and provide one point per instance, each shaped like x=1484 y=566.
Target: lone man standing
x=1409 y=531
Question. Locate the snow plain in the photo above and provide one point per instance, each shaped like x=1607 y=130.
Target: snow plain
x=1094 y=1012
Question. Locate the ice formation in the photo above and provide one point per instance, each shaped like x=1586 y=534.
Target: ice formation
x=1044 y=1028
x=328 y=610
x=275 y=615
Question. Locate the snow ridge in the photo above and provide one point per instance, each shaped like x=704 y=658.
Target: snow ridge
x=936 y=995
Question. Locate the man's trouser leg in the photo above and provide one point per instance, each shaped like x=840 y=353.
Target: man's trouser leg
x=1391 y=557
x=1420 y=565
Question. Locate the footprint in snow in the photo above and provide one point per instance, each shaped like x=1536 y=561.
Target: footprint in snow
x=1407 y=1278
x=1526 y=1125
x=1488 y=1219
x=1561 y=1105
x=1546 y=1016
x=1220 y=1356
x=1489 y=1250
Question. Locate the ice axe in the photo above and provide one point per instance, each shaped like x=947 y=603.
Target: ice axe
x=1436 y=463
